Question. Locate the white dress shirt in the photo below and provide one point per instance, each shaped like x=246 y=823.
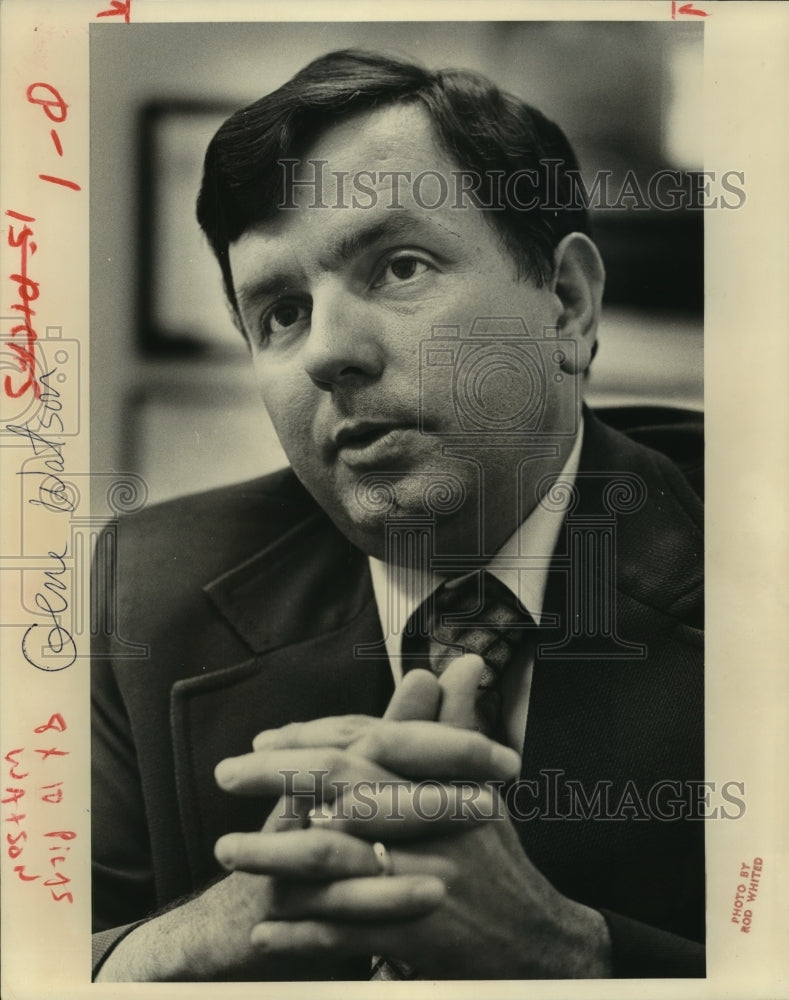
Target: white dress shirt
x=521 y=564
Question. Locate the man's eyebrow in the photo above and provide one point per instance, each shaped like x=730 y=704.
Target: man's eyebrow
x=346 y=246
x=252 y=292
x=342 y=248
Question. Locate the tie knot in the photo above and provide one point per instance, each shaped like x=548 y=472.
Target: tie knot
x=473 y=613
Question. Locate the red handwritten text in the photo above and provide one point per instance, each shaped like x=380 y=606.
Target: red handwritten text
x=27 y=292
x=56 y=109
x=57 y=842
x=118 y=8
x=686 y=8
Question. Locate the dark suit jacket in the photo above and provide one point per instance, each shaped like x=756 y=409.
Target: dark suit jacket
x=251 y=604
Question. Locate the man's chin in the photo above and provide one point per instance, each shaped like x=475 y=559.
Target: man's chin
x=383 y=517
x=374 y=523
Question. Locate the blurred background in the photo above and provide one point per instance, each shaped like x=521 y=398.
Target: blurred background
x=172 y=394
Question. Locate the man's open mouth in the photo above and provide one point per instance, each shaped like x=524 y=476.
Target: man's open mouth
x=368 y=443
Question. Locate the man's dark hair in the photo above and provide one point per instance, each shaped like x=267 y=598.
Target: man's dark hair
x=483 y=130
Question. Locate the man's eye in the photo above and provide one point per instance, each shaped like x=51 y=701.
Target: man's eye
x=402 y=269
x=284 y=316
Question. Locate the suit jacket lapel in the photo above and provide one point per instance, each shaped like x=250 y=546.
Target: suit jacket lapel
x=307 y=583
x=302 y=605
x=650 y=583
x=598 y=715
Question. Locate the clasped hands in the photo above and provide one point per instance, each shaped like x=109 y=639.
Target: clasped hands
x=462 y=899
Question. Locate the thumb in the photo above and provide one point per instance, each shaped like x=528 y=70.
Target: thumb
x=459 y=685
x=417 y=697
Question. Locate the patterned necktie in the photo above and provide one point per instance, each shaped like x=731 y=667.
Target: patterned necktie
x=475 y=613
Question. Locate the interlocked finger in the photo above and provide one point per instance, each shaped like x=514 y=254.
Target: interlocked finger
x=409 y=811
x=298 y=854
x=316 y=772
x=334 y=731
x=319 y=855
x=432 y=750
x=393 y=898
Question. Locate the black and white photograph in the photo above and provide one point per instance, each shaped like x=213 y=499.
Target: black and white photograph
x=411 y=346
x=412 y=272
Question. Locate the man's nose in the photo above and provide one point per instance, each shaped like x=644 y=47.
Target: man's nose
x=344 y=342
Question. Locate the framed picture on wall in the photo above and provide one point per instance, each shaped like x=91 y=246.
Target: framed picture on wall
x=181 y=307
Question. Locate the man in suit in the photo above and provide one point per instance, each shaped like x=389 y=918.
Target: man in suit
x=421 y=350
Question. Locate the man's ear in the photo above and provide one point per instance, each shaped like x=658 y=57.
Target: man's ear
x=578 y=281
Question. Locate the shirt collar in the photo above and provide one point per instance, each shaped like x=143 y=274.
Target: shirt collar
x=521 y=564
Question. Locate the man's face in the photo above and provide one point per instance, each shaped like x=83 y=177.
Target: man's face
x=339 y=304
